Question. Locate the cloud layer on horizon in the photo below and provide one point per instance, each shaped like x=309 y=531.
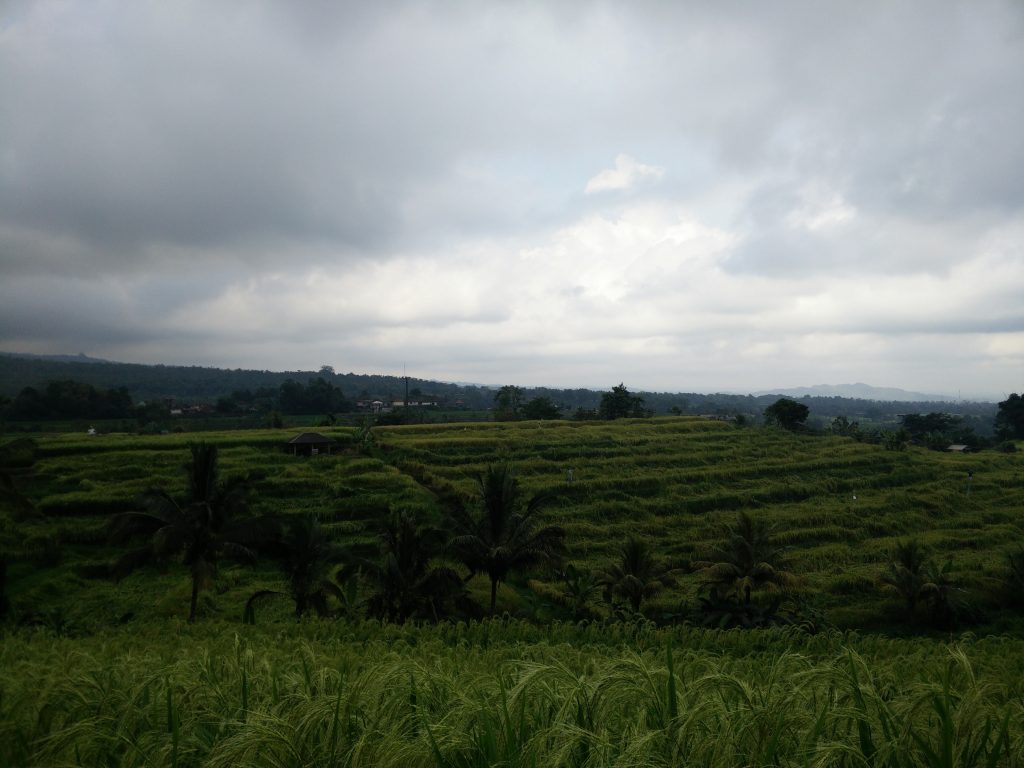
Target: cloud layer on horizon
x=678 y=196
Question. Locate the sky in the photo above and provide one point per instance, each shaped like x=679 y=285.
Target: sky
x=685 y=196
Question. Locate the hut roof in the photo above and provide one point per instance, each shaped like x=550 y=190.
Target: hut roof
x=310 y=438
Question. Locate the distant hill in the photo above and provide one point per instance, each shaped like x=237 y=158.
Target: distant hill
x=79 y=358
x=200 y=384
x=195 y=384
x=860 y=391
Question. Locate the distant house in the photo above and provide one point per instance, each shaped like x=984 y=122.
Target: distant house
x=310 y=444
x=374 y=404
x=958 y=448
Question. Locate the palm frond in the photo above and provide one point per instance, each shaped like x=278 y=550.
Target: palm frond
x=131 y=561
x=249 y=612
x=239 y=552
x=127 y=525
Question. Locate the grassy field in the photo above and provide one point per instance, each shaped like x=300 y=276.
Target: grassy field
x=109 y=673
x=838 y=505
x=505 y=693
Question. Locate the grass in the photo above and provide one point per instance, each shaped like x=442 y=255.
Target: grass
x=505 y=693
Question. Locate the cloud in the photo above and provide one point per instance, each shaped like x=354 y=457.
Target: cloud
x=280 y=186
x=626 y=174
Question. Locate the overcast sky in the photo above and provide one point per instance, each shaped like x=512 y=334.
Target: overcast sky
x=680 y=196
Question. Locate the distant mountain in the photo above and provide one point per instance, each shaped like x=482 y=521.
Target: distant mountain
x=861 y=392
x=79 y=358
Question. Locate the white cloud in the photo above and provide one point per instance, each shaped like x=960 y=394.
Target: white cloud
x=201 y=183
x=626 y=174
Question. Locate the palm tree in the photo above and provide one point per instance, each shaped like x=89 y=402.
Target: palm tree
x=5 y=604
x=201 y=531
x=939 y=589
x=580 y=587
x=636 y=575
x=16 y=460
x=747 y=560
x=913 y=575
x=307 y=554
x=408 y=583
x=1013 y=581
x=501 y=538
x=905 y=573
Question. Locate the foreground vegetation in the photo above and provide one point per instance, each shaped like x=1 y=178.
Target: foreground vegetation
x=506 y=693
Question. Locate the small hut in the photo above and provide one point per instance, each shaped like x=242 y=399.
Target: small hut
x=310 y=444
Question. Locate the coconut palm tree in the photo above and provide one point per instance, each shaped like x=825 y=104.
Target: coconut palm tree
x=16 y=460
x=307 y=555
x=745 y=561
x=1013 y=581
x=580 y=587
x=203 y=529
x=408 y=582
x=502 y=537
x=915 y=577
x=940 y=590
x=636 y=575
x=904 y=574
x=5 y=604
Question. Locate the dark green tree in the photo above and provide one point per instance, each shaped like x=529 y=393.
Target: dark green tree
x=502 y=537
x=787 y=414
x=636 y=574
x=914 y=577
x=619 y=403
x=67 y=399
x=408 y=581
x=580 y=588
x=941 y=591
x=204 y=528
x=5 y=603
x=1013 y=580
x=843 y=427
x=508 y=402
x=16 y=461
x=904 y=574
x=307 y=555
x=747 y=560
x=1009 y=421
x=896 y=440
x=541 y=408
x=934 y=426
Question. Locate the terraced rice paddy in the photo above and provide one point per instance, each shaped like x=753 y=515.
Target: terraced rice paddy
x=837 y=504
x=113 y=676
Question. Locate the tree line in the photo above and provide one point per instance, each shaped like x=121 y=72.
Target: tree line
x=149 y=383
x=68 y=399
x=77 y=400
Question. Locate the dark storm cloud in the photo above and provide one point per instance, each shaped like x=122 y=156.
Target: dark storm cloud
x=132 y=125
x=481 y=173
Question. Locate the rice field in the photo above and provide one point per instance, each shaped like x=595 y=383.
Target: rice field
x=838 y=506
x=111 y=675
x=505 y=693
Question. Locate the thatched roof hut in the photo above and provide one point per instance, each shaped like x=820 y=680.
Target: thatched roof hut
x=310 y=444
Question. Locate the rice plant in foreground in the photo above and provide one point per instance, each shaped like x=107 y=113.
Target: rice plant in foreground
x=376 y=695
